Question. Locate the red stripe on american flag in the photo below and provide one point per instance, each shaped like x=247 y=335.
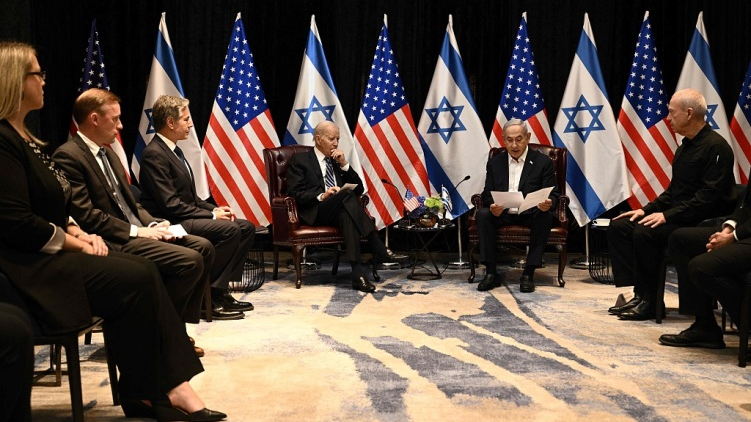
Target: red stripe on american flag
x=373 y=160
x=539 y=131
x=240 y=169
x=498 y=132
x=743 y=143
x=641 y=182
x=646 y=153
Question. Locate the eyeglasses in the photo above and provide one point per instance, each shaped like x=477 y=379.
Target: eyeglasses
x=42 y=74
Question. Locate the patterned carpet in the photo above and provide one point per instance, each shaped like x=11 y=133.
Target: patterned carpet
x=441 y=350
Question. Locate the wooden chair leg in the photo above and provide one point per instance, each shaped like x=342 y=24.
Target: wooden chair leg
x=471 y=259
x=74 y=377
x=275 y=272
x=743 y=326
x=112 y=369
x=335 y=266
x=562 y=252
x=207 y=301
x=660 y=291
x=297 y=251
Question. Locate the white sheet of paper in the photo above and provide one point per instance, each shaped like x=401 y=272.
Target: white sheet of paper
x=348 y=186
x=507 y=199
x=534 y=198
x=177 y=230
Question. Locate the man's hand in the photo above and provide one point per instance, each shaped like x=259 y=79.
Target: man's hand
x=155 y=233
x=720 y=239
x=330 y=192
x=653 y=220
x=634 y=215
x=223 y=213
x=163 y=223
x=545 y=205
x=96 y=245
x=338 y=156
x=496 y=209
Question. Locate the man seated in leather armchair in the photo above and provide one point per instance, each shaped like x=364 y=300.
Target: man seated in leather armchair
x=314 y=179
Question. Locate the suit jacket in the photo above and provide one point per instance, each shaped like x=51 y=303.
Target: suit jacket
x=167 y=186
x=742 y=217
x=94 y=206
x=31 y=199
x=537 y=173
x=305 y=183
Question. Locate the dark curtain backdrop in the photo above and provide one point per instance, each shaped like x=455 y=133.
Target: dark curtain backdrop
x=278 y=29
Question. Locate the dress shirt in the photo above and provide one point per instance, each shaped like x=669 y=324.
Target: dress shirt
x=322 y=164
x=515 y=168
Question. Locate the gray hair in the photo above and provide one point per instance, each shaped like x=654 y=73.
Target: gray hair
x=516 y=122
x=691 y=98
x=165 y=107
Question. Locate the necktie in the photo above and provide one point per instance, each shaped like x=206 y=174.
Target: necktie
x=181 y=156
x=116 y=191
x=329 y=179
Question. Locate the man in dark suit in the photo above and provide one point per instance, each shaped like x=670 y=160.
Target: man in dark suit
x=518 y=169
x=169 y=192
x=711 y=262
x=315 y=179
x=113 y=213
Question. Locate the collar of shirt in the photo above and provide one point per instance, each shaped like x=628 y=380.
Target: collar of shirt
x=94 y=148
x=171 y=145
x=321 y=162
x=522 y=158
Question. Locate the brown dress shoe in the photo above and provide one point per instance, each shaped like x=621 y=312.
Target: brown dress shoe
x=199 y=351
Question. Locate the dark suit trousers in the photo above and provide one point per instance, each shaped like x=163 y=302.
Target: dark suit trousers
x=144 y=333
x=636 y=252
x=16 y=364
x=185 y=266
x=538 y=222
x=344 y=211
x=704 y=276
x=231 y=239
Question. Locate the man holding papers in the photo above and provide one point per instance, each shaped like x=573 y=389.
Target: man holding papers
x=317 y=180
x=519 y=190
x=102 y=203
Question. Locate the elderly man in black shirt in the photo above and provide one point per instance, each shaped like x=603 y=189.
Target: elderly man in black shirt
x=701 y=188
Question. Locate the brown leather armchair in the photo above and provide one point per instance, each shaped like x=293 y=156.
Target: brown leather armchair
x=288 y=230
x=520 y=234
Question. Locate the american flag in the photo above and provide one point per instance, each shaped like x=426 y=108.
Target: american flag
x=93 y=76
x=386 y=138
x=411 y=202
x=240 y=127
x=740 y=127
x=522 y=97
x=648 y=142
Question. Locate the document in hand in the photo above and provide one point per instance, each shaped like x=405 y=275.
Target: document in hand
x=177 y=230
x=517 y=199
x=348 y=186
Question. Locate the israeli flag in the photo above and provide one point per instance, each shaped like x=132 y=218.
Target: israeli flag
x=451 y=134
x=698 y=73
x=316 y=101
x=165 y=80
x=596 y=178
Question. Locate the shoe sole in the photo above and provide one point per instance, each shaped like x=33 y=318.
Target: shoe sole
x=698 y=345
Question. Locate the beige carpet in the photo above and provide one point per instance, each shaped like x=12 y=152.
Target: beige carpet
x=441 y=350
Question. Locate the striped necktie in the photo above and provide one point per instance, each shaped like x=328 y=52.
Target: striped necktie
x=329 y=179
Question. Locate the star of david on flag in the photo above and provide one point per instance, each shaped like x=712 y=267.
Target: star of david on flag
x=93 y=75
x=316 y=101
x=596 y=169
x=698 y=73
x=648 y=142
x=240 y=127
x=740 y=127
x=522 y=97
x=165 y=80
x=451 y=134
x=386 y=138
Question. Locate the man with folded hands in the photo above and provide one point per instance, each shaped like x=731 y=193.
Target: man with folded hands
x=518 y=169
x=102 y=203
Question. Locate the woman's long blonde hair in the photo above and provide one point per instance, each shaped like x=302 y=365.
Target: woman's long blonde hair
x=15 y=62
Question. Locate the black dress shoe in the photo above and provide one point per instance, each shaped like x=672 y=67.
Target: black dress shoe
x=232 y=304
x=362 y=284
x=391 y=256
x=137 y=409
x=695 y=336
x=643 y=311
x=489 y=282
x=219 y=313
x=168 y=413
x=526 y=284
x=615 y=310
